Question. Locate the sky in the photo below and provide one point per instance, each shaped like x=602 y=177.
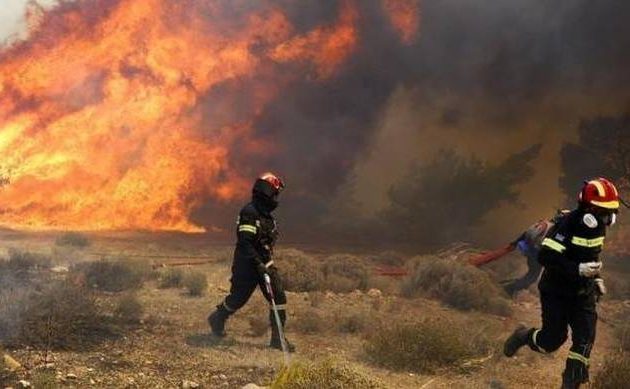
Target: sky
x=12 y=17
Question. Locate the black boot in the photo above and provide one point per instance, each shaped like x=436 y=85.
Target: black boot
x=275 y=334
x=568 y=383
x=217 y=320
x=518 y=339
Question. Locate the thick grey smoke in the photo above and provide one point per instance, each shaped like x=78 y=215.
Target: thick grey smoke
x=485 y=77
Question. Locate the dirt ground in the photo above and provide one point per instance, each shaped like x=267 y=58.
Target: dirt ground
x=172 y=344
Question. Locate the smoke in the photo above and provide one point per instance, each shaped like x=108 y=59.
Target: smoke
x=481 y=77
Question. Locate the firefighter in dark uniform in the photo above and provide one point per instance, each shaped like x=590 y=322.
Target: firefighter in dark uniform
x=529 y=244
x=571 y=284
x=256 y=233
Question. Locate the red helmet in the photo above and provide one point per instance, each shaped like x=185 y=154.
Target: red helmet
x=601 y=193
x=273 y=180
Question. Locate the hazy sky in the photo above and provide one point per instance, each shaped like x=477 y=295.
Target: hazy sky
x=12 y=16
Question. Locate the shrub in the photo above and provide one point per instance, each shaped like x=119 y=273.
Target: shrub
x=20 y=264
x=12 y=302
x=128 y=309
x=171 y=278
x=74 y=239
x=114 y=275
x=353 y=322
x=423 y=347
x=257 y=314
x=345 y=273
x=615 y=373
x=457 y=284
x=196 y=284
x=623 y=334
x=299 y=271
x=323 y=375
x=63 y=316
x=309 y=321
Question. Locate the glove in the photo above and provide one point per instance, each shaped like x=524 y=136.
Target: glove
x=601 y=287
x=262 y=269
x=590 y=269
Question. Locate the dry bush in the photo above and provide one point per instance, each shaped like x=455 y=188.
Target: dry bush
x=62 y=316
x=128 y=309
x=353 y=322
x=299 y=271
x=425 y=346
x=21 y=264
x=309 y=321
x=615 y=373
x=618 y=286
x=457 y=284
x=623 y=334
x=316 y=298
x=345 y=273
x=257 y=315
x=74 y=239
x=13 y=298
x=171 y=278
x=326 y=374
x=114 y=275
x=196 y=283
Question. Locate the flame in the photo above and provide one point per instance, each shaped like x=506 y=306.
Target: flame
x=404 y=16
x=102 y=108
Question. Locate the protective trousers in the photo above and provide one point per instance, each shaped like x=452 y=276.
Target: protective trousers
x=245 y=279
x=558 y=313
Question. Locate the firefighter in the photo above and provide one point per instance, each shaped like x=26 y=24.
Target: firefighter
x=529 y=244
x=256 y=233
x=571 y=284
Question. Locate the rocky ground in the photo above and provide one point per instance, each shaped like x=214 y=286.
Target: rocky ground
x=171 y=347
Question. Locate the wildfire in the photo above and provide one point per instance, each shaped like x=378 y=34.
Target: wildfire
x=104 y=108
x=404 y=16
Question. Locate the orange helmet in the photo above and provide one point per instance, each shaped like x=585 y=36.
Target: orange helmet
x=601 y=193
x=273 y=180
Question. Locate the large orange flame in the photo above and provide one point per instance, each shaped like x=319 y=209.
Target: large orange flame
x=100 y=118
x=404 y=16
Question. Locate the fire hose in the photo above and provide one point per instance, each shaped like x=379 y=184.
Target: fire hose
x=276 y=315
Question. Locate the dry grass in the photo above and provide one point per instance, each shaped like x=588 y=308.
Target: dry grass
x=309 y=321
x=456 y=284
x=354 y=321
x=195 y=283
x=425 y=346
x=129 y=309
x=341 y=273
x=114 y=275
x=171 y=278
x=62 y=316
x=326 y=374
x=74 y=239
x=615 y=374
x=299 y=271
x=345 y=273
x=623 y=334
x=21 y=264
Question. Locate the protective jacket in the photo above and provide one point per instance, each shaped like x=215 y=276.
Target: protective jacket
x=256 y=233
x=576 y=238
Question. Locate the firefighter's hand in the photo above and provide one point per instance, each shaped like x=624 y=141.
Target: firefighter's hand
x=262 y=269
x=601 y=287
x=590 y=269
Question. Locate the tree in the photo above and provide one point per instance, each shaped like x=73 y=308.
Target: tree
x=602 y=149
x=442 y=201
